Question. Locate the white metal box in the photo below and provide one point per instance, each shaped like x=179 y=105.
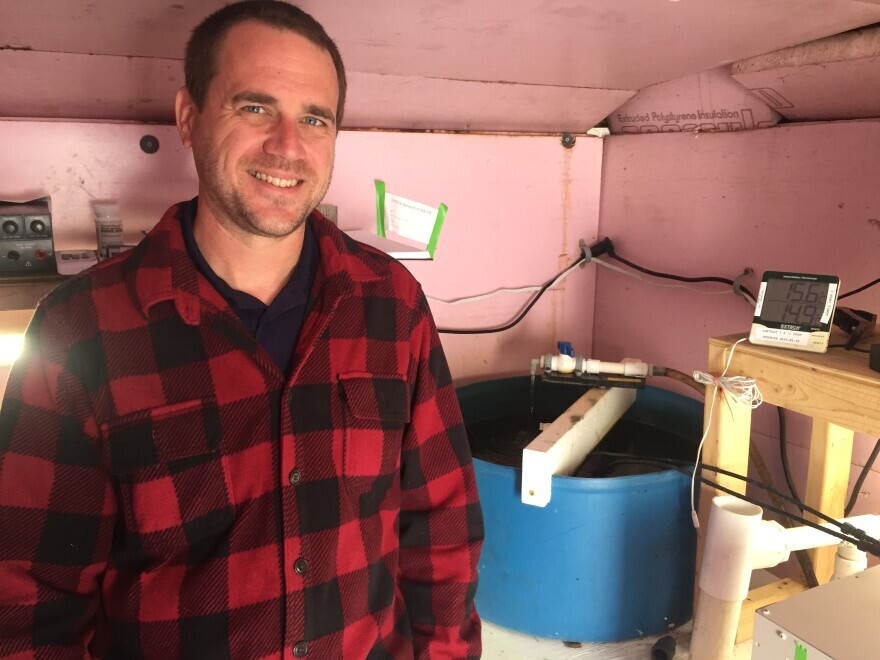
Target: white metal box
x=836 y=620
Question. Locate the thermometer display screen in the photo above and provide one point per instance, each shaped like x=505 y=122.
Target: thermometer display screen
x=795 y=302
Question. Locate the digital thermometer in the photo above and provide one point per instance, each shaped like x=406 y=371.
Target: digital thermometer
x=795 y=310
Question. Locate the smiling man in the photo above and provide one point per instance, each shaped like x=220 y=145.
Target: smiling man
x=240 y=439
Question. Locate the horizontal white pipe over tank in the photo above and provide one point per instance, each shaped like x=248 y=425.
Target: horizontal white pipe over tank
x=566 y=364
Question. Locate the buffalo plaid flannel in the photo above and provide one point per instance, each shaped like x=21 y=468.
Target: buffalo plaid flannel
x=165 y=492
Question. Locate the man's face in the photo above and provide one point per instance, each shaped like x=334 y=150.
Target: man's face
x=264 y=140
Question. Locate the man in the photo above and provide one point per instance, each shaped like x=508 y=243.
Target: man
x=240 y=439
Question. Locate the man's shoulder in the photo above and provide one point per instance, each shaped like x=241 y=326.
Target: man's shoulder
x=82 y=297
x=112 y=286
x=362 y=262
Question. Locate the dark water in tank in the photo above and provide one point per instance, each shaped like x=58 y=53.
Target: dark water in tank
x=627 y=449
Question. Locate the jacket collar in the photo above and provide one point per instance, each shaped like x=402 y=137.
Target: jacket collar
x=159 y=269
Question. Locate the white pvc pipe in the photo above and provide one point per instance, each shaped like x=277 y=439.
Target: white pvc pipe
x=804 y=538
x=726 y=566
x=565 y=364
x=724 y=576
x=638 y=369
x=849 y=560
x=715 y=625
x=769 y=546
x=737 y=541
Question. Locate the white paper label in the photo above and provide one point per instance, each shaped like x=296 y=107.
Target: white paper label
x=778 y=336
x=409 y=219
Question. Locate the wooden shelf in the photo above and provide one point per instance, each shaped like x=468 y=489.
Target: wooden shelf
x=17 y=293
x=836 y=389
x=837 y=386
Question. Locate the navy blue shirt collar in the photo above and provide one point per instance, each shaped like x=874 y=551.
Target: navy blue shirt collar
x=275 y=326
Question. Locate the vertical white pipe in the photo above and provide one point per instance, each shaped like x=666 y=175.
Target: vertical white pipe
x=848 y=561
x=724 y=576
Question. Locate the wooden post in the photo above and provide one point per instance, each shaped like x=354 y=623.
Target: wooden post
x=726 y=446
x=827 y=479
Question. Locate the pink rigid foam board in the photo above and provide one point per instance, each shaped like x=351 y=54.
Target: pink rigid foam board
x=707 y=101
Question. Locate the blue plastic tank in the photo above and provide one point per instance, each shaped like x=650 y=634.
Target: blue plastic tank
x=609 y=558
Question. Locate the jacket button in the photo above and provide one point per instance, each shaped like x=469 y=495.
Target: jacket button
x=301 y=566
x=295 y=477
x=300 y=649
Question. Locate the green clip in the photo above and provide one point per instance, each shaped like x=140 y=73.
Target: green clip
x=438 y=225
x=800 y=651
x=380 y=208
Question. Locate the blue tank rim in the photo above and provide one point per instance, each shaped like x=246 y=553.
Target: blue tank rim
x=587 y=483
x=679 y=414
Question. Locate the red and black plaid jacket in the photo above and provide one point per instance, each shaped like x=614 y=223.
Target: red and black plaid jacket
x=164 y=492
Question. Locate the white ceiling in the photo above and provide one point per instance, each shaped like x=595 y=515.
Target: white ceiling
x=537 y=65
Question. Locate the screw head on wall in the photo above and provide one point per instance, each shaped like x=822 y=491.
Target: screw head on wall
x=149 y=144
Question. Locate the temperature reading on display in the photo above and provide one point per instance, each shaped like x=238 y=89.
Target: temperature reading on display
x=798 y=303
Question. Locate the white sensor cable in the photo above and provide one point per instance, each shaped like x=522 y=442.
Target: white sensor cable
x=741 y=389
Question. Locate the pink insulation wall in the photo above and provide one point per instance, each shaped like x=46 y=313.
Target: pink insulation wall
x=794 y=197
x=517 y=207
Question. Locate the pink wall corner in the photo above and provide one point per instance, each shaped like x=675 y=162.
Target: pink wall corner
x=793 y=197
x=801 y=198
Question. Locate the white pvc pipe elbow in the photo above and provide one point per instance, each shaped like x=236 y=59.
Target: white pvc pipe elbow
x=727 y=555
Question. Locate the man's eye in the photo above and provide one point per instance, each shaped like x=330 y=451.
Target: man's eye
x=313 y=121
x=254 y=109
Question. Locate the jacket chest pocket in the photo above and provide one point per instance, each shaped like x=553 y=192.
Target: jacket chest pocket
x=174 y=492
x=376 y=408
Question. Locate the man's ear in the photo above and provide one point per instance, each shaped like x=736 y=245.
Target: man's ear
x=185 y=112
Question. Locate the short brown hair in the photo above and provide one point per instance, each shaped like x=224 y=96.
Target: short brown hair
x=200 y=63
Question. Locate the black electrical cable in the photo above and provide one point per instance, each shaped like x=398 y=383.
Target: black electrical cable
x=783 y=453
x=755 y=482
x=679 y=278
x=861 y=480
x=722 y=280
x=859 y=290
x=865 y=544
x=521 y=316
x=682 y=465
x=847 y=532
x=857 y=350
x=598 y=249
